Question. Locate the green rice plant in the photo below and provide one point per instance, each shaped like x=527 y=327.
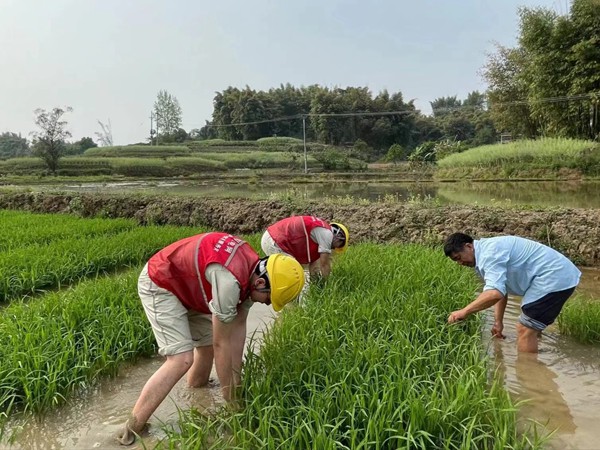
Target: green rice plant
x=580 y=318
x=134 y=167
x=66 y=340
x=258 y=159
x=549 y=152
x=28 y=270
x=369 y=362
x=21 y=228
x=139 y=151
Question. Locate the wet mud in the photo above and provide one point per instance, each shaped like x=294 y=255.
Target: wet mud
x=574 y=232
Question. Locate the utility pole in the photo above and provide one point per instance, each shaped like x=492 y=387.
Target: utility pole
x=151 y=126
x=304 y=139
x=157 y=116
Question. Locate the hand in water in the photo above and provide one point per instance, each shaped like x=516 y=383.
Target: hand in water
x=497 y=330
x=127 y=434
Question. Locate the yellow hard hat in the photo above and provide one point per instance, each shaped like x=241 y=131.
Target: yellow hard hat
x=286 y=277
x=341 y=229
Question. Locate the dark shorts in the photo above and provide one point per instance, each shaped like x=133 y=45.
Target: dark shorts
x=541 y=313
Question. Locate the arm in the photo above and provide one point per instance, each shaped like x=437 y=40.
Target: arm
x=222 y=336
x=499 y=318
x=238 y=340
x=483 y=301
x=493 y=262
x=228 y=342
x=324 y=238
x=325 y=263
x=227 y=325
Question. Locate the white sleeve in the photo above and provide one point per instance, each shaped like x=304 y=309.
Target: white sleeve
x=225 y=292
x=323 y=237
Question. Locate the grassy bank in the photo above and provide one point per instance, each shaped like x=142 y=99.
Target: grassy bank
x=529 y=159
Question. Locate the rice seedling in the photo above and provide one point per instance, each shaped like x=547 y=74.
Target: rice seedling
x=368 y=362
x=66 y=340
x=20 y=228
x=27 y=270
x=580 y=318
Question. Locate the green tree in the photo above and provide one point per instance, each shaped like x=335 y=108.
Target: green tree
x=423 y=154
x=550 y=83
x=13 y=145
x=333 y=159
x=396 y=154
x=167 y=113
x=79 y=147
x=178 y=136
x=49 y=141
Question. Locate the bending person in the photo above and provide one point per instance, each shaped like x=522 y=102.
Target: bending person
x=309 y=239
x=513 y=265
x=196 y=294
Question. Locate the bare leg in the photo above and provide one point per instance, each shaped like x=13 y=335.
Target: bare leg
x=154 y=392
x=199 y=373
x=527 y=339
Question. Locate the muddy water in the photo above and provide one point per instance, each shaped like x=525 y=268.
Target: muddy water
x=92 y=422
x=573 y=194
x=561 y=386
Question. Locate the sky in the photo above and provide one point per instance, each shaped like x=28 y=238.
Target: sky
x=108 y=59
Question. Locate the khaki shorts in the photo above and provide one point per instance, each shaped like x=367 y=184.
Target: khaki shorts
x=176 y=329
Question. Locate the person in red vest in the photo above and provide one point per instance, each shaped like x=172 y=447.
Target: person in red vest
x=309 y=239
x=196 y=294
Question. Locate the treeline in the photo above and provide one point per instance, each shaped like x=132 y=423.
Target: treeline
x=549 y=84
x=380 y=120
x=13 y=145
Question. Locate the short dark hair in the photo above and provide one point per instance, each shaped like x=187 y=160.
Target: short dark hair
x=261 y=271
x=455 y=243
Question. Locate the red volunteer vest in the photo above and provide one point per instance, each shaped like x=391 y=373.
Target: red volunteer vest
x=180 y=267
x=292 y=235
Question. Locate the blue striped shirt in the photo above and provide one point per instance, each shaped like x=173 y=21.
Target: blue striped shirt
x=519 y=266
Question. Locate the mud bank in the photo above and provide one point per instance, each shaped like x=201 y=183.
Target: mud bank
x=575 y=232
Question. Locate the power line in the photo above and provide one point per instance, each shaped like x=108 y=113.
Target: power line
x=302 y=116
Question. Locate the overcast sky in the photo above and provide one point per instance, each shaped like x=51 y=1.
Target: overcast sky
x=109 y=58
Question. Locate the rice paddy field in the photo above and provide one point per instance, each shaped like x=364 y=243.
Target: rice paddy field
x=366 y=361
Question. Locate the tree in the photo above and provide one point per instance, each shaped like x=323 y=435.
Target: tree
x=49 y=142
x=549 y=84
x=105 y=136
x=13 y=145
x=167 y=112
x=179 y=136
x=80 y=146
x=396 y=153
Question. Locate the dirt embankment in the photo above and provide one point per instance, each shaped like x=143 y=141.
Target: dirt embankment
x=575 y=232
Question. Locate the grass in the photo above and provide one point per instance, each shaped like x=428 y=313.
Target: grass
x=524 y=158
x=580 y=318
x=368 y=363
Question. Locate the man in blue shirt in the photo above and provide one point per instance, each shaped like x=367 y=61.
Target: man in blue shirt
x=513 y=265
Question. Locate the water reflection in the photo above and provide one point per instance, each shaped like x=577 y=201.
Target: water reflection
x=560 y=386
x=572 y=194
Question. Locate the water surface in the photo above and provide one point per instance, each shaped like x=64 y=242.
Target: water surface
x=572 y=194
